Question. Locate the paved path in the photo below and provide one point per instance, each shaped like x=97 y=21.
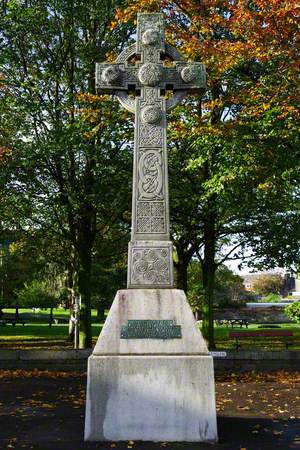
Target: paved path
x=43 y=411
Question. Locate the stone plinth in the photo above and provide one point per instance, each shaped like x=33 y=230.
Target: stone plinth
x=150 y=389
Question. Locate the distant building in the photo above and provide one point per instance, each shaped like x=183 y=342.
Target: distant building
x=297 y=284
x=291 y=283
x=248 y=281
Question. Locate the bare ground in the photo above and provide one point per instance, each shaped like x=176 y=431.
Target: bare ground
x=45 y=410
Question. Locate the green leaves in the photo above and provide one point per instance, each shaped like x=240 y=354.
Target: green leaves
x=293 y=311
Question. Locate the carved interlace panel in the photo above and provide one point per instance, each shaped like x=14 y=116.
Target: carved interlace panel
x=150 y=175
x=150 y=135
x=150 y=266
x=150 y=97
x=150 y=217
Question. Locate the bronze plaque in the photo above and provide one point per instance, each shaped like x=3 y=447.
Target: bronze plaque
x=151 y=329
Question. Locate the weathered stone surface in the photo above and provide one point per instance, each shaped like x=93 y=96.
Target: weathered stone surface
x=155 y=304
x=150 y=389
x=150 y=398
x=150 y=264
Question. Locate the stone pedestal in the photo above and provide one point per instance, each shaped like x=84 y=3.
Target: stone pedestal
x=150 y=389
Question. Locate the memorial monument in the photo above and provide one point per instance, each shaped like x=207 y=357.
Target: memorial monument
x=150 y=376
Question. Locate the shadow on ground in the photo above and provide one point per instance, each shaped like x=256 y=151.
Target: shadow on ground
x=43 y=411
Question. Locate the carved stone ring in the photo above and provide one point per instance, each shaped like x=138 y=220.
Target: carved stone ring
x=150 y=74
x=110 y=75
x=150 y=37
x=151 y=114
x=188 y=74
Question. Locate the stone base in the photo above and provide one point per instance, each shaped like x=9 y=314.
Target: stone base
x=150 y=398
x=150 y=389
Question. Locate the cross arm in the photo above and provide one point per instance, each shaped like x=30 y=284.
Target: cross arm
x=190 y=77
x=112 y=77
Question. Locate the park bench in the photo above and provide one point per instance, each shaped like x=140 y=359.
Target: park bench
x=263 y=333
x=233 y=322
x=12 y=320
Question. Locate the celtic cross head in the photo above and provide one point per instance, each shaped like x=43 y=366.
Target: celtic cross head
x=149 y=71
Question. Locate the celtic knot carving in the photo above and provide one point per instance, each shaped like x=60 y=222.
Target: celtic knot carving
x=150 y=74
x=188 y=74
x=151 y=54
x=143 y=225
x=151 y=217
x=158 y=225
x=110 y=75
x=158 y=209
x=150 y=135
x=150 y=96
x=126 y=54
x=150 y=175
x=143 y=209
x=151 y=266
x=151 y=114
x=150 y=36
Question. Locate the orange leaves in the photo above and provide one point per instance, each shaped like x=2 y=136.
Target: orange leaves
x=248 y=48
x=129 y=13
x=282 y=377
x=19 y=373
x=89 y=98
x=259 y=395
x=5 y=151
x=111 y=56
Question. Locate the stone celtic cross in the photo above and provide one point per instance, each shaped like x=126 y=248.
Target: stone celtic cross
x=150 y=262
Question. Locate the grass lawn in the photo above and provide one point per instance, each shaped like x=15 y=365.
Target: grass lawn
x=37 y=333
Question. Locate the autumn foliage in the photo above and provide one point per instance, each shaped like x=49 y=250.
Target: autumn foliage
x=239 y=132
x=252 y=44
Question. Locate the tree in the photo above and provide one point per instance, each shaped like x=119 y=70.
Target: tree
x=268 y=283
x=38 y=295
x=68 y=158
x=228 y=288
x=18 y=264
x=293 y=311
x=240 y=131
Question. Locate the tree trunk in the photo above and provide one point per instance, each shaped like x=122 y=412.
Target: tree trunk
x=185 y=250
x=100 y=312
x=181 y=268
x=207 y=308
x=51 y=317
x=71 y=325
x=209 y=270
x=84 y=286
